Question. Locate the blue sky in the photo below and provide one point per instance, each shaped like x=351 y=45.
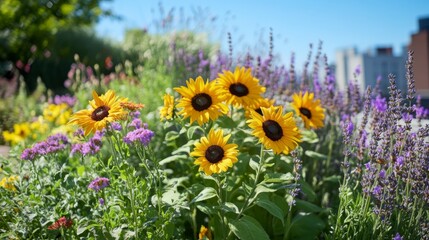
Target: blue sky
x=364 y=24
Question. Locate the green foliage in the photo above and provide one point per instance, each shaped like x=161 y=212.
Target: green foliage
x=24 y=24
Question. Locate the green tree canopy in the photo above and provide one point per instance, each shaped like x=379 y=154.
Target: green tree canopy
x=27 y=27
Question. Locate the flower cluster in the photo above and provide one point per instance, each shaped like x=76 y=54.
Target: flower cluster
x=62 y=222
x=99 y=183
x=52 y=144
x=9 y=183
x=91 y=147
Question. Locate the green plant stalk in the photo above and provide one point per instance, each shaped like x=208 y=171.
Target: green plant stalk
x=247 y=201
x=220 y=203
x=130 y=181
x=158 y=182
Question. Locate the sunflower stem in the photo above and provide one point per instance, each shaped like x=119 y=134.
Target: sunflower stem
x=247 y=202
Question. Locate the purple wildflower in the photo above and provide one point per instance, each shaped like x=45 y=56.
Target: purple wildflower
x=136 y=123
x=91 y=147
x=135 y=114
x=52 y=144
x=141 y=134
x=379 y=104
x=377 y=190
x=99 y=183
x=368 y=165
x=116 y=126
x=397 y=237
x=69 y=100
x=79 y=133
x=101 y=201
x=382 y=173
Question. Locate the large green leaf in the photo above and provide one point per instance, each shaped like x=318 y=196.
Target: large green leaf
x=271 y=207
x=248 y=228
x=205 y=194
x=315 y=155
x=306 y=226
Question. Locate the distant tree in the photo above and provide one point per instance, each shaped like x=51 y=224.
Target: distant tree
x=27 y=27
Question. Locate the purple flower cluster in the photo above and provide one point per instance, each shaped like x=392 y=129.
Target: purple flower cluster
x=52 y=144
x=69 y=100
x=99 y=183
x=141 y=135
x=91 y=147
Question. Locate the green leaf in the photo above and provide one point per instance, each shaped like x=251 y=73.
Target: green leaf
x=226 y=122
x=271 y=207
x=308 y=206
x=80 y=170
x=278 y=177
x=309 y=136
x=307 y=190
x=172 y=159
x=191 y=131
x=315 y=155
x=305 y=226
x=171 y=136
x=230 y=207
x=205 y=194
x=248 y=228
x=253 y=164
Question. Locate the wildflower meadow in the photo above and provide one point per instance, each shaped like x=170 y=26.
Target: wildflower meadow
x=190 y=142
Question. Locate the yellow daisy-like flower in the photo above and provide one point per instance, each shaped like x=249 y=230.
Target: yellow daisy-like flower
x=214 y=154
x=200 y=101
x=20 y=132
x=240 y=88
x=204 y=233
x=309 y=110
x=9 y=183
x=57 y=113
x=103 y=109
x=275 y=130
x=166 y=112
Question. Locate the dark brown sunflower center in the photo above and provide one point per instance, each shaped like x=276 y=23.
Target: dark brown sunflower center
x=214 y=153
x=100 y=113
x=238 y=89
x=272 y=130
x=305 y=112
x=201 y=102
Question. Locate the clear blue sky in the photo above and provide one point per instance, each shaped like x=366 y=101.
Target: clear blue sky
x=340 y=24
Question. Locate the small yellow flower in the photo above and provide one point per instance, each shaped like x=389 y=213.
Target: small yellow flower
x=103 y=109
x=167 y=111
x=214 y=154
x=204 y=233
x=19 y=134
x=58 y=114
x=309 y=110
x=9 y=183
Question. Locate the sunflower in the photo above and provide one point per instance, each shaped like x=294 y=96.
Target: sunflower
x=166 y=112
x=275 y=130
x=240 y=88
x=214 y=154
x=263 y=102
x=103 y=109
x=309 y=110
x=200 y=101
